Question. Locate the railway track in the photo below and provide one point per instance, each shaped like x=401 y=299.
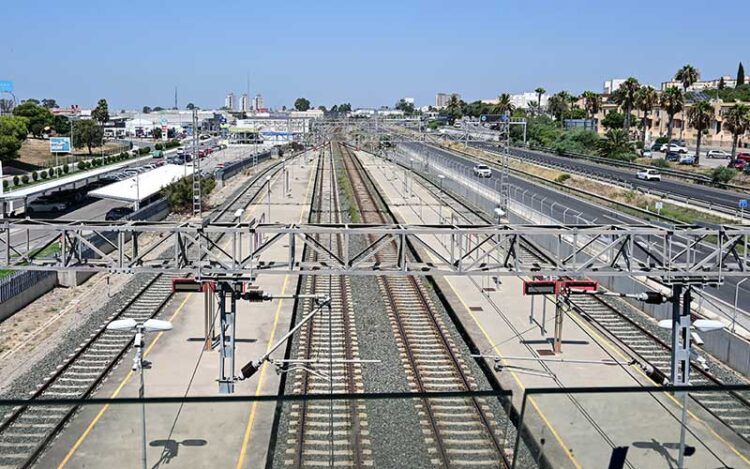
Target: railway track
x=331 y=434
x=26 y=431
x=731 y=408
x=457 y=432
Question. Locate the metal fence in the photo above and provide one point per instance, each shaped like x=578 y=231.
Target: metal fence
x=20 y=281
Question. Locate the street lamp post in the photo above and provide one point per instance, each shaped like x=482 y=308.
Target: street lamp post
x=150 y=325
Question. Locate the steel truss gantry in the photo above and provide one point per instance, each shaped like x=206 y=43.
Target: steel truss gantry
x=677 y=255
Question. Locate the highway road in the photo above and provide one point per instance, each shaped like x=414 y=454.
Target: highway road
x=593 y=212
x=707 y=194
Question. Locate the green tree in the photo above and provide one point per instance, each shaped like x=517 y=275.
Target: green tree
x=454 y=109
x=592 y=102
x=87 y=134
x=625 y=97
x=156 y=133
x=539 y=92
x=558 y=105
x=614 y=120
x=146 y=110
x=301 y=104
x=9 y=146
x=179 y=194
x=190 y=106
x=61 y=125
x=687 y=75
x=402 y=105
x=38 y=117
x=14 y=126
x=740 y=76
x=616 y=144
x=49 y=103
x=672 y=101
x=504 y=105
x=700 y=116
x=101 y=112
x=737 y=121
x=722 y=84
x=645 y=100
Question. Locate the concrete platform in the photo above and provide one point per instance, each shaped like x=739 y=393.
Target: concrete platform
x=574 y=430
x=199 y=435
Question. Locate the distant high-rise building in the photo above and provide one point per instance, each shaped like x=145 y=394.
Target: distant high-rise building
x=245 y=104
x=230 y=102
x=443 y=99
x=610 y=86
x=258 y=102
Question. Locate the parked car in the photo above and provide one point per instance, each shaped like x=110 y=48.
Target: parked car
x=482 y=171
x=46 y=204
x=649 y=175
x=656 y=146
x=718 y=154
x=646 y=153
x=118 y=213
x=687 y=158
x=672 y=156
x=157 y=154
x=673 y=147
x=740 y=162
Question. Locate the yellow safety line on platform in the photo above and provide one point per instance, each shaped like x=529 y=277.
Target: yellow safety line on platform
x=487 y=337
x=117 y=391
x=259 y=388
x=607 y=344
x=557 y=436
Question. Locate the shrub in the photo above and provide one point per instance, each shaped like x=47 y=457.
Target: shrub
x=562 y=178
x=123 y=156
x=66 y=168
x=43 y=175
x=16 y=180
x=81 y=165
x=25 y=179
x=660 y=163
x=722 y=174
x=35 y=176
x=159 y=146
x=6 y=184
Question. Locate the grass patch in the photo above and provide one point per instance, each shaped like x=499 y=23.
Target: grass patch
x=346 y=186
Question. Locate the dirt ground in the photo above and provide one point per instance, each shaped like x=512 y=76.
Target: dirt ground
x=35 y=151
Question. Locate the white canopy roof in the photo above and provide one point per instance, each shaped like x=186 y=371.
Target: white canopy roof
x=147 y=184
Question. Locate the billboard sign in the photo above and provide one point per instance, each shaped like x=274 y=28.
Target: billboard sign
x=6 y=86
x=59 y=145
x=488 y=118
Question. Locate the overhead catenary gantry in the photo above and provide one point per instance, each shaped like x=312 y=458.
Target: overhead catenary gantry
x=676 y=255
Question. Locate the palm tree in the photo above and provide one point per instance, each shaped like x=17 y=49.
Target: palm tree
x=503 y=104
x=687 y=75
x=737 y=121
x=625 y=97
x=615 y=144
x=592 y=102
x=700 y=116
x=645 y=100
x=558 y=105
x=539 y=92
x=672 y=100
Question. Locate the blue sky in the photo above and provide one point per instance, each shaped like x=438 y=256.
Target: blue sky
x=135 y=52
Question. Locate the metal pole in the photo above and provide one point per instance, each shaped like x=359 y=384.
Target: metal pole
x=685 y=333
